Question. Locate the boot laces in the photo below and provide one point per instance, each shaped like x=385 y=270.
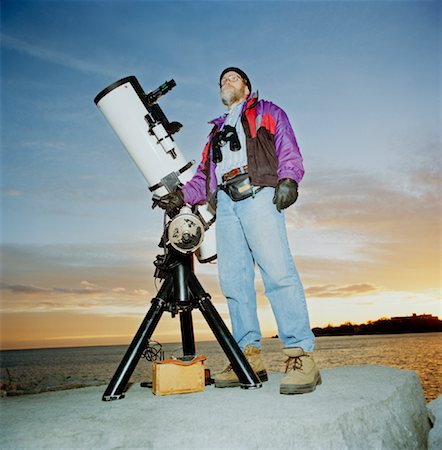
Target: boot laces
x=294 y=363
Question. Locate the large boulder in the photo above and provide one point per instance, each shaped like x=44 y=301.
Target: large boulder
x=356 y=407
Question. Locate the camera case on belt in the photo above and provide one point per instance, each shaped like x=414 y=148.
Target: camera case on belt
x=240 y=187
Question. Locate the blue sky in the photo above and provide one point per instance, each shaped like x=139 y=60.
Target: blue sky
x=359 y=80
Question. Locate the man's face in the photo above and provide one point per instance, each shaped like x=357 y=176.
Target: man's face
x=233 y=89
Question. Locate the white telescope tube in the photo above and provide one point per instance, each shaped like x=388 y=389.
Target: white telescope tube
x=152 y=148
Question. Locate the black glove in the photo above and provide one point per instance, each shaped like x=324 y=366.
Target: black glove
x=286 y=193
x=171 y=201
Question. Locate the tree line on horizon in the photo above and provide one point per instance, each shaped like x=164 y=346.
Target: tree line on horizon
x=424 y=323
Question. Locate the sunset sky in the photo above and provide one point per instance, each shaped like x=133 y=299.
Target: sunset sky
x=361 y=84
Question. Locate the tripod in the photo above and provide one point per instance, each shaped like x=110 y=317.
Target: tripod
x=180 y=293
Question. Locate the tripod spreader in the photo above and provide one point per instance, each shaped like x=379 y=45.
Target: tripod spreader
x=181 y=292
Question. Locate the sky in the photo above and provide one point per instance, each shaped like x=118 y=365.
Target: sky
x=361 y=84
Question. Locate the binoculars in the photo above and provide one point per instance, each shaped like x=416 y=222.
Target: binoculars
x=227 y=134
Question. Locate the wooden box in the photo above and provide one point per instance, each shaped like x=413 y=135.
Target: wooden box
x=173 y=376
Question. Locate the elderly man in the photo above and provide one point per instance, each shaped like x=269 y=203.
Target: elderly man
x=250 y=170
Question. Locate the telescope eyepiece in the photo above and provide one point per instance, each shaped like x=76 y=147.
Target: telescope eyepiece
x=152 y=97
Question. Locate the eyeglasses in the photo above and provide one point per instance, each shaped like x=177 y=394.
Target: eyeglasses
x=232 y=78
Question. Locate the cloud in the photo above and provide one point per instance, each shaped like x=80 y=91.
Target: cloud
x=23 y=288
x=121 y=289
x=87 y=289
x=385 y=228
x=23 y=259
x=104 y=278
x=11 y=193
x=87 y=296
x=379 y=204
x=330 y=290
x=53 y=56
x=31 y=289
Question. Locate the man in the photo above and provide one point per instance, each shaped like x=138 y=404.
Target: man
x=250 y=169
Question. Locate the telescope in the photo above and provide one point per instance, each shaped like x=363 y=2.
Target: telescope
x=146 y=133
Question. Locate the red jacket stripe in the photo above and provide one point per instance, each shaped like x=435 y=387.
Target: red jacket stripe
x=251 y=119
x=269 y=123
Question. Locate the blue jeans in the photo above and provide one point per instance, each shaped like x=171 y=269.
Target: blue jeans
x=253 y=231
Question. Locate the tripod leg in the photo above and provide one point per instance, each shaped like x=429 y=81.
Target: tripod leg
x=133 y=354
x=181 y=296
x=187 y=335
x=242 y=368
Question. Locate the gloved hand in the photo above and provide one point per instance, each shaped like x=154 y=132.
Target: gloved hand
x=171 y=201
x=286 y=193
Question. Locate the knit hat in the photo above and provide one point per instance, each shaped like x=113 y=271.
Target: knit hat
x=240 y=73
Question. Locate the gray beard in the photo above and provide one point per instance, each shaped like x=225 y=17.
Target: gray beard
x=229 y=97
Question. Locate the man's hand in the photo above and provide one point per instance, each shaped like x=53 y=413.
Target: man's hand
x=286 y=193
x=171 y=201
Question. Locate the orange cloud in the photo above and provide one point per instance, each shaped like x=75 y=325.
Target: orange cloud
x=330 y=290
x=383 y=229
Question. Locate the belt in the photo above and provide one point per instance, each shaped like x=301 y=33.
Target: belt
x=234 y=173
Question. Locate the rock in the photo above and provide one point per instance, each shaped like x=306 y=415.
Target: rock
x=358 y=407
x=435 y=436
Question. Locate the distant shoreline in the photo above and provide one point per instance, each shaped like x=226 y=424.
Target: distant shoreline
x=423 y=323
x=377 y=333
x=368 y=333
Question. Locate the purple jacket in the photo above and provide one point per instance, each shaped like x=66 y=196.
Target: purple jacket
x=272 y=151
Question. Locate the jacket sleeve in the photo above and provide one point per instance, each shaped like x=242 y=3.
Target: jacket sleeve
x=195 y=191
x=287 y=151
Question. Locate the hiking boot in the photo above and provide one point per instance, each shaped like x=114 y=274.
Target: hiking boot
x=228 y=378
x=302 y=375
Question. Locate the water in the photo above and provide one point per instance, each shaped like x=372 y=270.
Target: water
x=32 y=371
